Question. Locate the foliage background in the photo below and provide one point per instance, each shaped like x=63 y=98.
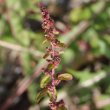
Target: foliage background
x=84 y=26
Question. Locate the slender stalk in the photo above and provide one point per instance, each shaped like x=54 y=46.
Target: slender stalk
x=53 y=70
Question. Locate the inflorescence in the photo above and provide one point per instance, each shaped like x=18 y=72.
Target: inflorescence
x=52 y=56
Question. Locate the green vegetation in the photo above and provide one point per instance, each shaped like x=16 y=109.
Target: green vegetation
x=84 y=28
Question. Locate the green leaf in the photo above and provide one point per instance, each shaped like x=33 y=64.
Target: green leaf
x=65 y=76
x=53 y=98
x=45 y=80
x=32 y=92
x=85 y=75
x=40 y=95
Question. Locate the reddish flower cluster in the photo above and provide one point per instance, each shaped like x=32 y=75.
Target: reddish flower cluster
x=50 y=81
x=57 y=105
x=50 y=34
x=49 y=28
x=48 y=24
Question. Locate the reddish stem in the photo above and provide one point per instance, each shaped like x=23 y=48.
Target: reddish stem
x=53 y=70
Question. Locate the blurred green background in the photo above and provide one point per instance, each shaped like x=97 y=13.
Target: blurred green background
x=84 y=27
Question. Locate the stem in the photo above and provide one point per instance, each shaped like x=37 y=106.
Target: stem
x=53 y=70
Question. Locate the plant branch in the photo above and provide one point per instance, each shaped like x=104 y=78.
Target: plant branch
x=19 y=48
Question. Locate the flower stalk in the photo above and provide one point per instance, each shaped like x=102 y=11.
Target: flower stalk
x=52 y=56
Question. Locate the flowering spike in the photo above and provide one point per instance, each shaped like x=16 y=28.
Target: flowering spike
x=52 y=56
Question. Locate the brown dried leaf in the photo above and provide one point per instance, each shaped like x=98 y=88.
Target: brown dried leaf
x=46 y=55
